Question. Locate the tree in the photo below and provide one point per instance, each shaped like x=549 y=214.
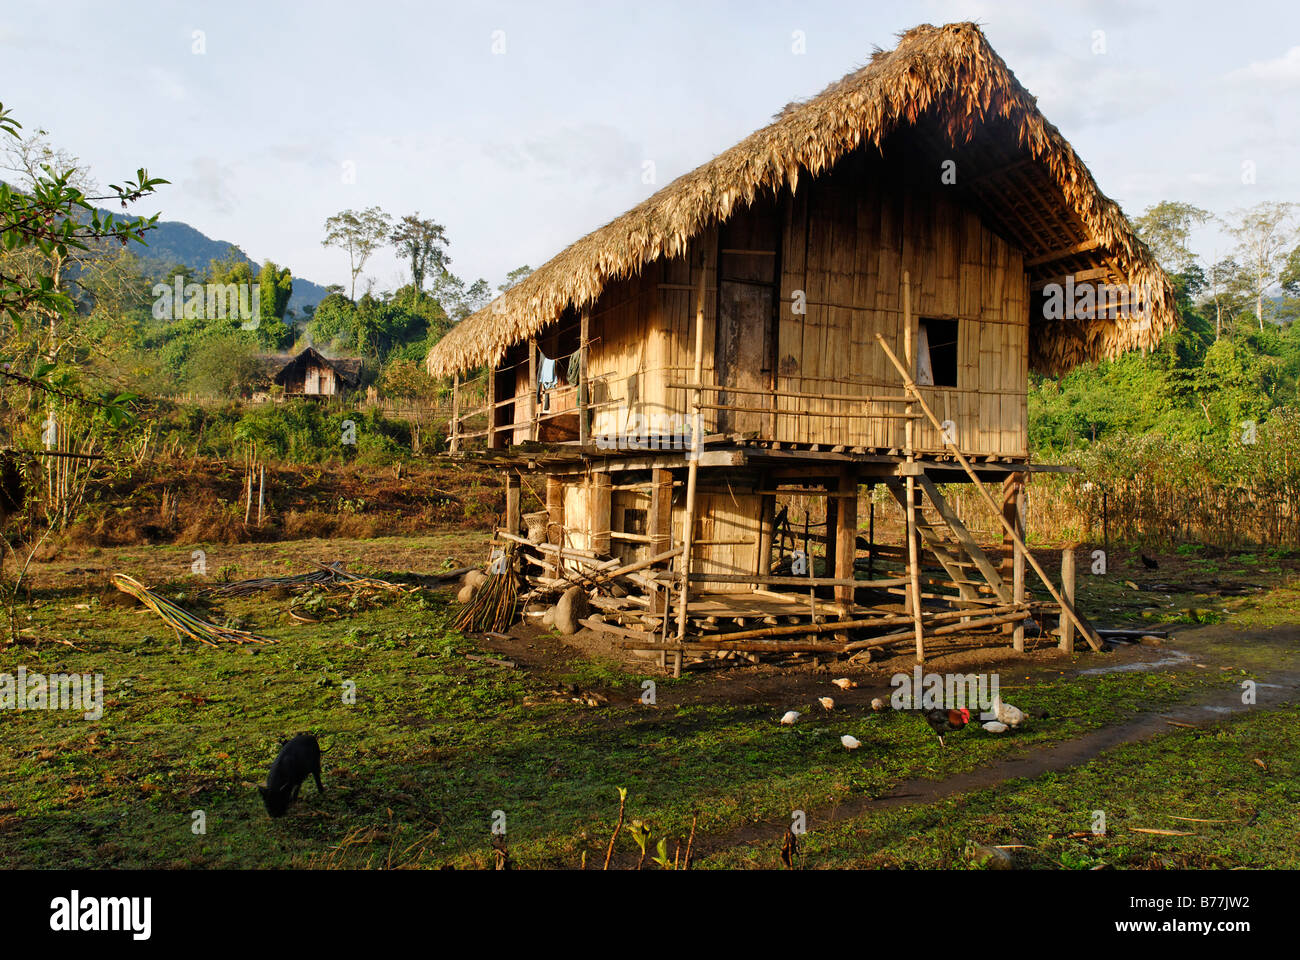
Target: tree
x=224 y=364
x=275 y=286
x=1224 y=284
x=423 y=243
x=1166 y=228
x=514 y=277
x=360 y=234
x=49 y=220
x=1263 y=233
x=457 y=300
x=1290 y=277
x=233 y=268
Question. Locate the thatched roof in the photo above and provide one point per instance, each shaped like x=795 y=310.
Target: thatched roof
x=348 y=369
x=947 y=81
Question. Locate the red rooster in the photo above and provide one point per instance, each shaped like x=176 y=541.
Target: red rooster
x=945 y=721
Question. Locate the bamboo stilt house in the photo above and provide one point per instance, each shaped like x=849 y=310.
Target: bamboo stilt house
x=854 y=294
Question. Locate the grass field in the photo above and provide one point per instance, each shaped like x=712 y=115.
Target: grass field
x=437 y=743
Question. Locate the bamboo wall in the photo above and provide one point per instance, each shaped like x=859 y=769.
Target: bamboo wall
x=845 y=240
x=726 y=528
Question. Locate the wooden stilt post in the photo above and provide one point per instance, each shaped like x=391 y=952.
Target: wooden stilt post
x=1012 y=485
x=1067 y=587
x=455 y=412
x=846 y=536
x=832 y=527
x=512 y=502
x=660 y=520
x=871 y=532
x=692 y=472
x=554 y=510
x=599 y=514
x=1013 y=497
x=583 y=399
x=766 y=534
x=555 y=519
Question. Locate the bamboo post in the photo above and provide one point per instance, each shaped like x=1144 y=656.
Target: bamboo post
x=914 y=571
x=492 y=406
x=1067 y=587
x=583 y=331
x=907 y=357
x=261 y=494
x=913 y=551
x=248 y=484
x=692 y=472
x=1066 y=607
x=534 y=389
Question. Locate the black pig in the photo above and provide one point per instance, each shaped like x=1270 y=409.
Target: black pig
x=297 y=758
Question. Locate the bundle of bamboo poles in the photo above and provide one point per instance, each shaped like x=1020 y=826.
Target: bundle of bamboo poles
x=184 y=623
x=68 y=467
x=496 y=602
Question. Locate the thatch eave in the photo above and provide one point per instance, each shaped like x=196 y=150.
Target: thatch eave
x=950 y=70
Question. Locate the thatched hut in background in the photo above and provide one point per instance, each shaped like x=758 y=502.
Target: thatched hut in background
x=312 y=374
x=854 y=294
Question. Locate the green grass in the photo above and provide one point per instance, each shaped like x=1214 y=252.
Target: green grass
x=435 y=743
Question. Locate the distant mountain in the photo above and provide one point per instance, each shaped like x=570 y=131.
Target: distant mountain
x=173 y=242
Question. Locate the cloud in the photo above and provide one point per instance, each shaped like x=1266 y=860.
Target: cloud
x=1281 y=72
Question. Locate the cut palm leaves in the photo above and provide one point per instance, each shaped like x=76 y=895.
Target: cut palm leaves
x=182 y=621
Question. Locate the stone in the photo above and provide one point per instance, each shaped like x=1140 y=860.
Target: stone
x=572 y=607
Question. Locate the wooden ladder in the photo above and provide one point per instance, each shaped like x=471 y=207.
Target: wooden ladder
x=952 y=545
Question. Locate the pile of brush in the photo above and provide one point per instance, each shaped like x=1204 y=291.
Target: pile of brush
x=332 y=575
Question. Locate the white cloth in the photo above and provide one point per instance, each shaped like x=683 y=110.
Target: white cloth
x=924 y=372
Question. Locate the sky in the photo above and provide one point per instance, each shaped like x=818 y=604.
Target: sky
x=522 y=126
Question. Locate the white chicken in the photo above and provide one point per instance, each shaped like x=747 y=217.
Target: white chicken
x=850 y=742
x=790 y=717
x=993 y=726
x=1006 y=713
x=844 y=683
x=826 y=702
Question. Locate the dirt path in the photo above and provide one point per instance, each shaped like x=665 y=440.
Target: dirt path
x=1205 y=711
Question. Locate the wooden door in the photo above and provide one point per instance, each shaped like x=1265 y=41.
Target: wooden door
x=747 y=291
